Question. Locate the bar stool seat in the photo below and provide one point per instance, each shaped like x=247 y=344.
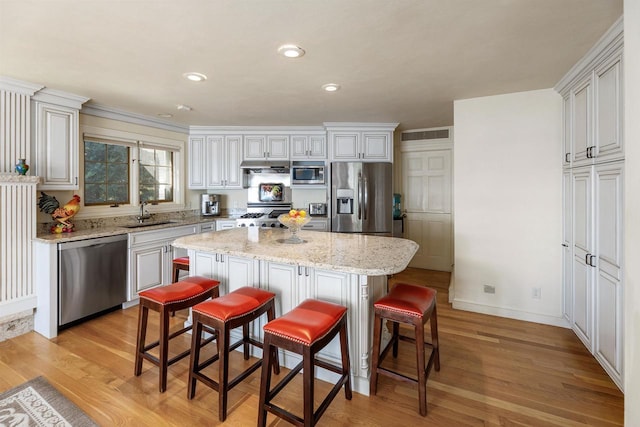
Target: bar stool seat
x=237 y=308
x=181 y=263
x=164 y=300
x=305 y=330
x=414 y=305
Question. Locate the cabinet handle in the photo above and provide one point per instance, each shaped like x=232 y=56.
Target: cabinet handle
x=565 y=245
x=299 y=270
x=591 y=257
x=589 y=153
x=217 y=260
x=76 y=180
x=306 y=271
x=586 y=259
x=566 y=157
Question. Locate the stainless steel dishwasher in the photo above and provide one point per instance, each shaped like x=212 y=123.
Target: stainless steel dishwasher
x=92 y=277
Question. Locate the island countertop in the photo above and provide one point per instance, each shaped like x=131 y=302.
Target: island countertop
x=350 y=253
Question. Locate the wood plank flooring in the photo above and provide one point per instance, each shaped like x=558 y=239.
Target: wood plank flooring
x=495 y=372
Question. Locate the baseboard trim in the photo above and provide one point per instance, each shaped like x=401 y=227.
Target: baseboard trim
x=544 y=319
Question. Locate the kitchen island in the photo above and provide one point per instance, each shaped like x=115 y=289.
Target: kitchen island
x=347 y=269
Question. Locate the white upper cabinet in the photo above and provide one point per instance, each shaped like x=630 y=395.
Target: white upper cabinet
x=272 y=147
x=55 y=117
x=361 y=141
x=593 y=101
x=308 y=147
x=214 y=162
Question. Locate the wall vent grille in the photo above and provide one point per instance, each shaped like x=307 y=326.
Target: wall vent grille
x=425 y=134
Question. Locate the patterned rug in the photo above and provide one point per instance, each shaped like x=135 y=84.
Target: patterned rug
x=38 y=403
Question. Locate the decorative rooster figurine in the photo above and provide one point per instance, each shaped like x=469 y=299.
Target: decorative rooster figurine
x=49 y=204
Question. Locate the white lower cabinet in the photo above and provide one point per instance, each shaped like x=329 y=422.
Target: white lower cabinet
x=151 y=257
x=594 y=282
x=317 y=224
x=225 y=224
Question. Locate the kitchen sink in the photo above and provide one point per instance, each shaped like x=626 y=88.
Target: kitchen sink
x=149 y=224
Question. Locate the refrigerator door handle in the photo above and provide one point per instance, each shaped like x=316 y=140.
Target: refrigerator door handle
x=359 y=196
x=365 y=197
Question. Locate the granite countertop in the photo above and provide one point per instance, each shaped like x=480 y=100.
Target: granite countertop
x=113 y=230
x=350 y=253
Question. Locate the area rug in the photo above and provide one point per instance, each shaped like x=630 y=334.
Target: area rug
x=38 y=403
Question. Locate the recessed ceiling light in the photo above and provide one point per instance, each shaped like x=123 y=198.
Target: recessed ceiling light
x=165 y=115
x=331 y=87
x=195 y=77
x=291 y=51
x=183 y=107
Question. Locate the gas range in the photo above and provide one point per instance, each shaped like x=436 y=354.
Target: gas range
x=263 y=217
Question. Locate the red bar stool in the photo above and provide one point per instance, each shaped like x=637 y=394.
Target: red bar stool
x=237 y=308
x=166 y=299
x=181 y=263
x=413 y=305
x=304 y=330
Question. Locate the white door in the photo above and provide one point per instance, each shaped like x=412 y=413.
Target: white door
x=215 y=162
x=582 y=252
x=426 y=185
x=608 y=310
x=233 y=156
x=567 y=258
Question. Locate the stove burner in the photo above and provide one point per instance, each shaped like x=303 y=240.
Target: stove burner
x=252 y=215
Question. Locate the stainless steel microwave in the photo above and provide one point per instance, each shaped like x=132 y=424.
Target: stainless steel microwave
x=308 y=172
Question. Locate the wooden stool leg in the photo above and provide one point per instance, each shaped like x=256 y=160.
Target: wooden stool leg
x=271 y=315
x=245 y=339
x=422 y=375
x=375 y=357
x=434 y=338
x=223 y=372
x=395 y=338
x=265 y=380
x=194 y=361
x=307 y=381
x=143 y=312
x=346 y=365
x=176 y=273
x=164 y=348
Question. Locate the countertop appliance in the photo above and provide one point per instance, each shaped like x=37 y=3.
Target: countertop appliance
x=361 y=195
x=317 y=209
x=210 y=205
x=307 y=172
x=92 y=277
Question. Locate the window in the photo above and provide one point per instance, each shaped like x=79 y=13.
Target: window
x=156 y=175
x=106 y=173
x=122 y=170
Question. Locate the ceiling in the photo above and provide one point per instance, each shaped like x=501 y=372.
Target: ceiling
x=396 y=60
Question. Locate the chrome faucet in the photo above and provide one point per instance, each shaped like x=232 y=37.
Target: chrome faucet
x=143 y=213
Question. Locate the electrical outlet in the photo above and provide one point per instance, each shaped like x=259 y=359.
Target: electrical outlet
x=536 y=293
x=489 y=289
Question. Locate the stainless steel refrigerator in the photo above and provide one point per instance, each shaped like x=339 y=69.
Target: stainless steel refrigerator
x=361 y=198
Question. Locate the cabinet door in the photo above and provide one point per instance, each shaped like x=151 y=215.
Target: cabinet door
x=255 y=147
x=282 y=279
x=56 y=147
x=608 y=109
x=215 y=164
x=345 y=146
x=566 y=131
x=582 y=250
x=147 y=267
x=197 y=154
x=233 y=174
x=224 y=224
x=299 y=147
x=567 y=237
x=376 y=146
x=278 y=147
x=608 y=313
x=316 y=225
x=581 y=121
x=318 y=147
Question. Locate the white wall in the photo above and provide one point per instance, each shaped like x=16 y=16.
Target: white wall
x=508 y=194
x=632 y=212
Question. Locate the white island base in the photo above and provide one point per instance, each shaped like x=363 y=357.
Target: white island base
x=346 y=269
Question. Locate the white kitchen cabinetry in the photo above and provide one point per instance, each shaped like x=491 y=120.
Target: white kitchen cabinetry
x=214 y=162
x=56 y=143
x=317 y=224
x=225 y=224
x=308 y=147
x=206 y=227
x=270 y=147
x=593 y=201
x=361 y=142
x=151 y=256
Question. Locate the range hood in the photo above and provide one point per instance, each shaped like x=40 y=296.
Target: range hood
x=266 y=166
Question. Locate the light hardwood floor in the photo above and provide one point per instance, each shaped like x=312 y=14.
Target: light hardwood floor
x=495 y=372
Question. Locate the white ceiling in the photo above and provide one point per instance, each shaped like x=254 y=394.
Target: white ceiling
x=397 y=60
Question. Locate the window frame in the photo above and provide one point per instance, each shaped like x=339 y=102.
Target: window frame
x=134 y=141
